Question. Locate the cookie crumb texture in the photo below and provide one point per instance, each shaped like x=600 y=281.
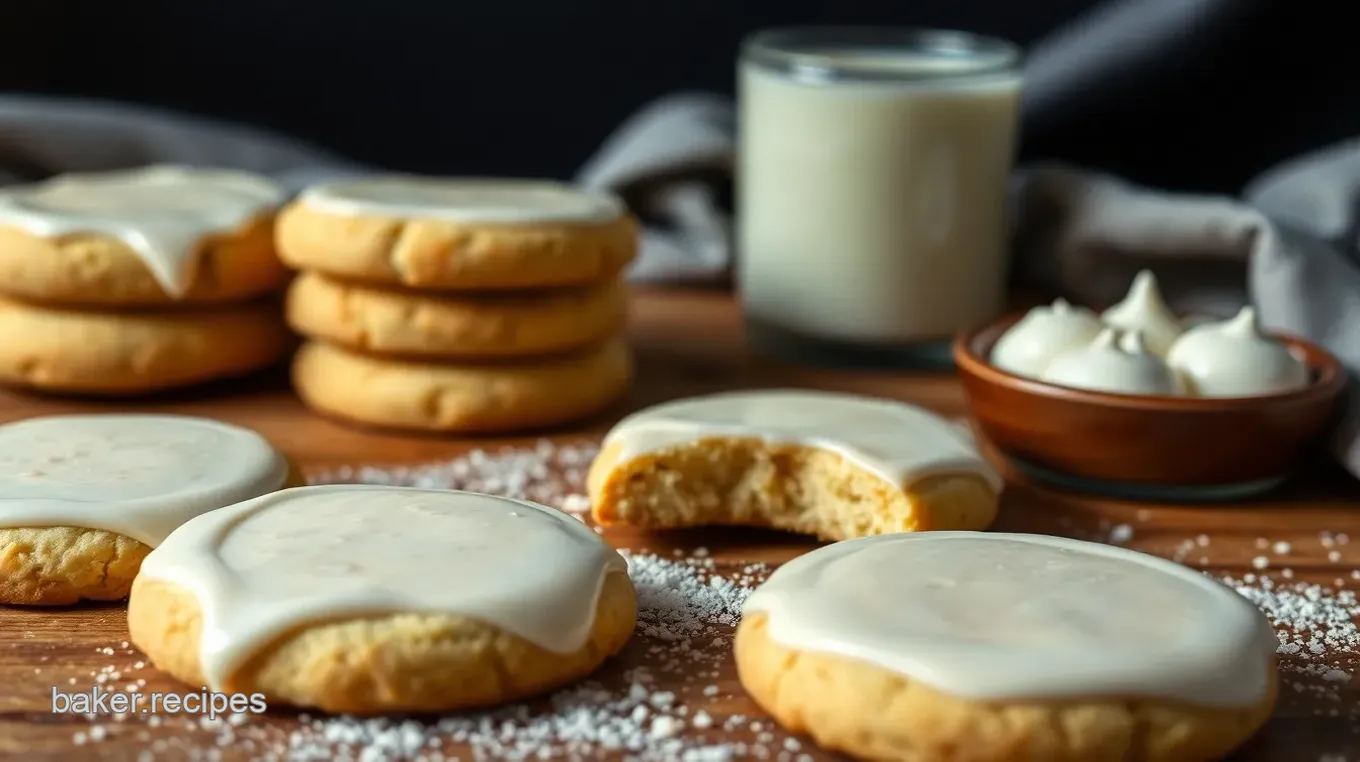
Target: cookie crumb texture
x=876 y=714
x=747 y=481
x=59 y=566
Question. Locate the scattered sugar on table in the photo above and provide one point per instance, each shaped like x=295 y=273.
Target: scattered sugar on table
x=1316 y=627
x=1121 y=534
x=688 y=608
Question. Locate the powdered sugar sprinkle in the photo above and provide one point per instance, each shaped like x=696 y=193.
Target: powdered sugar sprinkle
x=1316 y=627
x=689 y=606
x=547 y=473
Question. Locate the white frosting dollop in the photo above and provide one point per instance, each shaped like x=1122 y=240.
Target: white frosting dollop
x=1042 y=335
x=1232 y=358
x=1143 y=310
x=1119 y=364
x=993 y=616
x=162 y=213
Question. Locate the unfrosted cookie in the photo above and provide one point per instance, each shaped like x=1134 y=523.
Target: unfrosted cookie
x=144 y=237
x=1006 y=648
x=121 y=353
x=489 y=398
x=833 y=465
x=458 y=233
x=480 y=326
x=84 y=498
x=371 y=599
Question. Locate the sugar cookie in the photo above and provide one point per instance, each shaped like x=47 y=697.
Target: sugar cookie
x=140 y=238
x=70 y=351
x=369 y=599
x=458 y=233
x=464 y=398
x=833 y=465
x=84 y=498
x=481 y=326
x=1004 y=647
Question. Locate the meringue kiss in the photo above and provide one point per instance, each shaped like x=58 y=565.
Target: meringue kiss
x=1114 y=363
x=1043 y=334
x=1144 y=310
x=1232 y=358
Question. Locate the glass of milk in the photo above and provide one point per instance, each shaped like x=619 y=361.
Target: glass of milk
x=871 y=190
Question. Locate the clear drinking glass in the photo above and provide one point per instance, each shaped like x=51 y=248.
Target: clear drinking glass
x=871 y=190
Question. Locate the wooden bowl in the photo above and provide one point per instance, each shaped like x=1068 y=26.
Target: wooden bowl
x=1142 y=445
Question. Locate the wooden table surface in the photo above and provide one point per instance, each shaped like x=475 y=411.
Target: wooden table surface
x=690 y=342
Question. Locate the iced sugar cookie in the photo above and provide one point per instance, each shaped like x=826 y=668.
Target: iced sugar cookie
x=84 y=498
x=473 y=398
x=446 y=233
x=1002 y=647
x=466 y=326
x=371 y=599
x=143 y=237
x=833 y=465
x=127 y=353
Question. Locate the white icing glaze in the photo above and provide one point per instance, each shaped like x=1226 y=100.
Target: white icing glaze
x=267 y=566
x=899 y=442
x=141 y=476
x=1006 y=616
x=160 y=212
x=470 y=200
x=1232 y=359
x=1144 y=310
x=1114 y=363
x=1043 y=334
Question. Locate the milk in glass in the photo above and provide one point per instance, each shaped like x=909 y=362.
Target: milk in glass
x=872 y=183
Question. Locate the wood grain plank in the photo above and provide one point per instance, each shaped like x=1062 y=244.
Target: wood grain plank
x=687 y=342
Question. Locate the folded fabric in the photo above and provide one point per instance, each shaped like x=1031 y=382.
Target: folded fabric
x=672 y=163
x=1308 y=283
x=42 y=136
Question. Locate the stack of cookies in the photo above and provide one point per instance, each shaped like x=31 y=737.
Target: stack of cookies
x=472 y=306
x=138 y=281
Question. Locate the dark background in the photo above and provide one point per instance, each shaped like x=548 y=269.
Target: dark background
x=531 y=87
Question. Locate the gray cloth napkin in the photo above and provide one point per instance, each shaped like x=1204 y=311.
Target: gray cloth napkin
x=42 y=136
x=670 y=162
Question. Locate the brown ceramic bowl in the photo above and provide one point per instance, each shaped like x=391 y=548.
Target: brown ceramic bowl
x=1144 y=446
